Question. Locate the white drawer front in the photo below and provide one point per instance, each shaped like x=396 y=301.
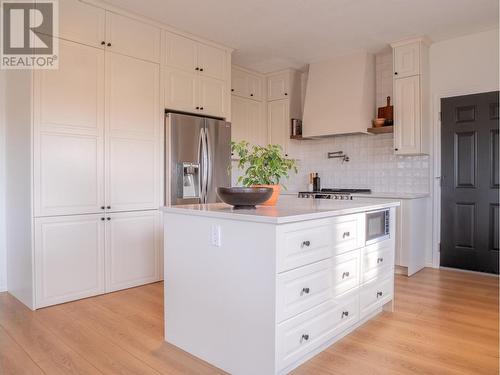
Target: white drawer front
x=345 y=272
x=348 y=233
x=304 y=246
x=378 y=260
x=303 y=288
x=300 y=335
x=376 y=294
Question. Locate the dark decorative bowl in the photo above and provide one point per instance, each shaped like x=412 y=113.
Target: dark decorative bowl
x=244 y=197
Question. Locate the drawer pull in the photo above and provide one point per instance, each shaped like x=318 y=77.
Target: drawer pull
x=304 y=337
x=380 y=260
x=305 y=291
x=346 y=234
x=344 y=313
x=345 y=274
x=305 y=244
x=379 y=294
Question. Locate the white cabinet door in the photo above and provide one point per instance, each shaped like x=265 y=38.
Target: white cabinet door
x=238 y=119
x=407 y=116
x=256 y=125
x=212 y=96
x=82 y=23
x=181 y=52
x=211 y=61
x=131 y=37
x=278 y=86
x=68 y=142
x=255 y=87
x=69 y=258
x=278 y=118
x=239 y=83
x=181 y=90
x=132 y=249
x=133 y=119
x=407 y=60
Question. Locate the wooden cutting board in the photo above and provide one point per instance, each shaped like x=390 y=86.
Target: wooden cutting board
x=387 y=112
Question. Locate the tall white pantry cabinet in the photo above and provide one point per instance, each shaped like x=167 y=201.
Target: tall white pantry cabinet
x=85 y=160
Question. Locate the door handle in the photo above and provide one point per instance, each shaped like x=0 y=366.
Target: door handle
x=201 y=163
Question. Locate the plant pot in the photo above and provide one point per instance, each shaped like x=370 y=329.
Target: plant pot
x=274 y=198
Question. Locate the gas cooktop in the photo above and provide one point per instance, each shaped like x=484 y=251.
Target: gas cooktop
x=334 y=193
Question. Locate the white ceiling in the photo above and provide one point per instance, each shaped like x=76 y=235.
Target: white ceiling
x=269 y=35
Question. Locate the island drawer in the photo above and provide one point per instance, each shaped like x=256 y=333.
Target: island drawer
x=305 y=332
x=378 y=260
x=346 y=272
x=303 y=243
x=300 y=289
x=348 y=233
x=375 y=294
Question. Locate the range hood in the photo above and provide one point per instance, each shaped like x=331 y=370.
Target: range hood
x=340 y=96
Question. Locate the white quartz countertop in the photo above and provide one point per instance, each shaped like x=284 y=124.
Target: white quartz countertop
x=288 y=210
x=382 y=195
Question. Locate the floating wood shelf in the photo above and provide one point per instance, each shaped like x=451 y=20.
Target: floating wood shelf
x=381 y=130
x=299 y=138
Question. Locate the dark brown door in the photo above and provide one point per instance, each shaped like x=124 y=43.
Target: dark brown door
x=469 y=185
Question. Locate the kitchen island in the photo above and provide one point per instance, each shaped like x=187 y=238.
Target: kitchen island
x=262 y=291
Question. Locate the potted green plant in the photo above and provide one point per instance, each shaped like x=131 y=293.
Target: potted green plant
x=263 y=167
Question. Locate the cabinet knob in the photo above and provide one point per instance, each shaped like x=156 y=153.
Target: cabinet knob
x=286 y=155
x=201 y=108
x=395 y=149
x=109 y=44
x=108 y=218
x=103 y=43
x=306 y=244
x=201 y=69
x=196 y=68
x=380 y=260
x=395 y=73
x=345 y=274
x=251 y=94
x=304 y=337
x=102 y=219
x=102 y=207
x=379 y=294
x=109 y=207
x=305 y=291
x=346 y=234
x=344 y=313
x=232 y=90
x=197 y=107
x=286 y=93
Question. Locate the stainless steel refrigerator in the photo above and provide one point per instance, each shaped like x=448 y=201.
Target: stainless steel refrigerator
x=197 y=158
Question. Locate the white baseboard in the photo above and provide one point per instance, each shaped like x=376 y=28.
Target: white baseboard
x=467 y=271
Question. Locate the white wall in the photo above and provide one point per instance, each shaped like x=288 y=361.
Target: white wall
x=3 y=265
x=459 y=66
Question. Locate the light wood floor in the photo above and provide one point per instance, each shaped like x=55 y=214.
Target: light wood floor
x=444 y=322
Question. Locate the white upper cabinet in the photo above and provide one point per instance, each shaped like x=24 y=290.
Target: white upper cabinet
x=407 y=136
x=211 y=61
x=411 y=97
x=247 y=122
x=82 y=23
x=212 y=96
x=132 y=249
x=68 y=142
x=133 y=38
x=181 y=52
x=278 y=86
x=133 y=119
x=181 y=90
x=196 y=77
x=407 y=60
x=246 y=84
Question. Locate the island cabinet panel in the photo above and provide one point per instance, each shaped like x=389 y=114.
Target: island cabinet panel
x=290 y=288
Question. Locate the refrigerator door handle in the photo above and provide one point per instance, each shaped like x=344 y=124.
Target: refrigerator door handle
x=210 y=167
x=205 y=163
x=201 y=163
